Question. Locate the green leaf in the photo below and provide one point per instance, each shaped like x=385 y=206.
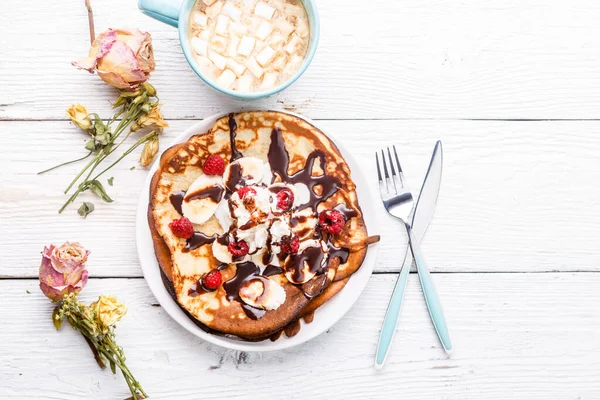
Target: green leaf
x=85 y=209
x=90 y=145
x=113 y=367
x=56 y=319
x=110 y=180
x=132 y=168
x=27 y=290
x=98 y=189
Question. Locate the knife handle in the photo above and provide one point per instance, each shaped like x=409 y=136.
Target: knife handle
x=431 y=297
x=392 y=314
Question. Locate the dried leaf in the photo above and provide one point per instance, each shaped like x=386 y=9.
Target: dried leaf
x=110 y=180
x=99 y=190
x=56 y=320
x=85 y=209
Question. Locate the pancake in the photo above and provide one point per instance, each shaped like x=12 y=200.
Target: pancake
x=297 y=158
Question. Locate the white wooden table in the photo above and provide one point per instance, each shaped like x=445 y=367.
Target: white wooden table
x=511 y=87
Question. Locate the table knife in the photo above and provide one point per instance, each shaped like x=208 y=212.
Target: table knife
x=422 y=215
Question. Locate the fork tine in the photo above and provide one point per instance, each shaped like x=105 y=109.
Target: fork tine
x=397 y=161
x=385 y=170
x=396 y=181
x=378 y=168
x=383 y=187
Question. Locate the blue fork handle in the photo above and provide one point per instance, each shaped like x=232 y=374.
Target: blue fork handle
x=431 y=297
x=392 y=315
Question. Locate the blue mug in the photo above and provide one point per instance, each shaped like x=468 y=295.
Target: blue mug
x=177 y=13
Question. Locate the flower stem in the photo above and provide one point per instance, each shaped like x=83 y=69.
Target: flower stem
x=65 y=163
x=127 y=152
x=97 y=157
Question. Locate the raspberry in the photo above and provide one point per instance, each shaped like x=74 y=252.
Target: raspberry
x=285 y=199
x=212 y=280
x=238 y=249
x=290 y=245
x=182 y=228
x=242 y=192
x=214 y=165
x=331 y=221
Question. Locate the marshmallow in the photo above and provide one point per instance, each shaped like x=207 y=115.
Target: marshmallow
x=222 y=25
x=226 y=78
x=264 y=30
x=244 y=83
x=293 y=45
x=265 y=56
x=284 y=27
x=264 y=10
x=209 y=2
x=246 y=45
x=253 y=67
x=302 y=27
x=199 y=46
x=232 y=11
x=236 y=67
x=214 y=10
x=233 y=45
x=217 y=59
x=200 y=19
x=269 y=80
x=219 y=44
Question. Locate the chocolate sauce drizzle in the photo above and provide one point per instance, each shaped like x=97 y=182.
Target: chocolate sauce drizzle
x=176 y=200
x=245 y=272
x=197 y=240
x=235 y=153
x=215 y=193
x=279 y=160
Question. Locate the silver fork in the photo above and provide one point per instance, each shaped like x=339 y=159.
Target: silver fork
x=398 y=201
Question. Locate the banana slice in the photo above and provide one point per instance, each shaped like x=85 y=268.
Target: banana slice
x=242 y=172
x=202 y=198
x=262 y=292
x=221 y=253
x=297 y=267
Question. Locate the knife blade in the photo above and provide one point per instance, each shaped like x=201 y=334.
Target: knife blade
x=421 y=218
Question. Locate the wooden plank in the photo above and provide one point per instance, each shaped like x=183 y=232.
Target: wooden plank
x=516 y=336
x=516 y=196
x=421 y=59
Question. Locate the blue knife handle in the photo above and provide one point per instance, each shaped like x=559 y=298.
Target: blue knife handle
x=431 y=297
x=393 y=313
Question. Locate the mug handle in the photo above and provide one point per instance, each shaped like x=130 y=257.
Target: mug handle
x=166 y=11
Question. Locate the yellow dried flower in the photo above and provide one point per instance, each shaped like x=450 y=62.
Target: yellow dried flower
x=80 y=116
x=108 y=311
x=150 y=150
x=153 y=119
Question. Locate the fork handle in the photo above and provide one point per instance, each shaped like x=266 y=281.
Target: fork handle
x=431 y=297
x=392 y=314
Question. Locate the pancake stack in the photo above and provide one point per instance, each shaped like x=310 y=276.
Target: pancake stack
x=276 y=233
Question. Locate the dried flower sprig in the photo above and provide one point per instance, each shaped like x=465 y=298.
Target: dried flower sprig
x=62 y=276
x=124 y=59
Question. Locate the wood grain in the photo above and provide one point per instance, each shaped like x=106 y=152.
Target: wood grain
x=515 y=196
x=516 y=336
x=517 y=59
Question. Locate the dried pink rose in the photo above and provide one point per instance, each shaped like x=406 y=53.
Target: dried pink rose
x=63 y=270
x=123 y=57
x=67 y=257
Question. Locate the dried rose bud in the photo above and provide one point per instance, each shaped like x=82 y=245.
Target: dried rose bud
x=108 y=311
x=149 y=151
x=80 y=117
x=153 y=119
x=123 y=58
x=63 y=270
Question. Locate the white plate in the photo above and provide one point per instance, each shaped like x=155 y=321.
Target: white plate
x=325 y=316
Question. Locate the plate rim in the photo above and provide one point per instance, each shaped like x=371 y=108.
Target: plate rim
x=357 y=281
